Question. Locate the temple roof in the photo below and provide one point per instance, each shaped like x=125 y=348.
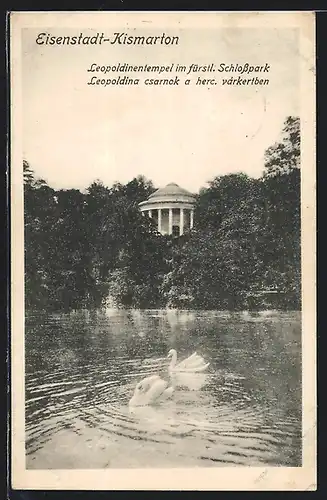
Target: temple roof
x=172 y=193
x=170 y=190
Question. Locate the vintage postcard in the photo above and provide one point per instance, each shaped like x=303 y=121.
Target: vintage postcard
x=163 y=250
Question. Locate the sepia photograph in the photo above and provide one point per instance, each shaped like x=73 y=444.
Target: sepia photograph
x=163 y=248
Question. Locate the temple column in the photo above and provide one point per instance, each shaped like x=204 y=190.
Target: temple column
x=150 y=213
x=159 y=220
x=170 y=226
x=181 y=222
x=191 y=218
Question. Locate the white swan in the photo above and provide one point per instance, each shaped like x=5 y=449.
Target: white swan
x=192 y=364
x=151 y=390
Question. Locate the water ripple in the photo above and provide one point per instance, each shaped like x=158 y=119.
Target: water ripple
x=217 y=418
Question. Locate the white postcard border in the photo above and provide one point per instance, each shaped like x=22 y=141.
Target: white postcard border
x=220 y=478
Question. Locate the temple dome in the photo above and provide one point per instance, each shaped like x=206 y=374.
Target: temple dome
x=172 y=192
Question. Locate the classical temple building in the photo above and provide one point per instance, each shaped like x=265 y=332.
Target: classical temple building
x=172 y=207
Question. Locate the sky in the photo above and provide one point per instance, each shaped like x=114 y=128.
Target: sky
x=74 y=133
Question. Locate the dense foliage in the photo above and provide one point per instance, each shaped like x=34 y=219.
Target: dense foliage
x=94 y=248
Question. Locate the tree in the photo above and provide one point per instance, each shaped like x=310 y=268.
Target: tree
x=216 y=267
x=283 y=157
x=39 y=205
x=282 y=229
x=225 y=195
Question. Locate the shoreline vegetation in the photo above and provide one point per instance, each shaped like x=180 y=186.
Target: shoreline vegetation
x=94 y=248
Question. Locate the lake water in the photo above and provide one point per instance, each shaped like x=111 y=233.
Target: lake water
x=82 y=368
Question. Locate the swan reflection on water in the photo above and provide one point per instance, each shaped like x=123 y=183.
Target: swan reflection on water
x=191 y=381
x=179 y=415
x=190 y=414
